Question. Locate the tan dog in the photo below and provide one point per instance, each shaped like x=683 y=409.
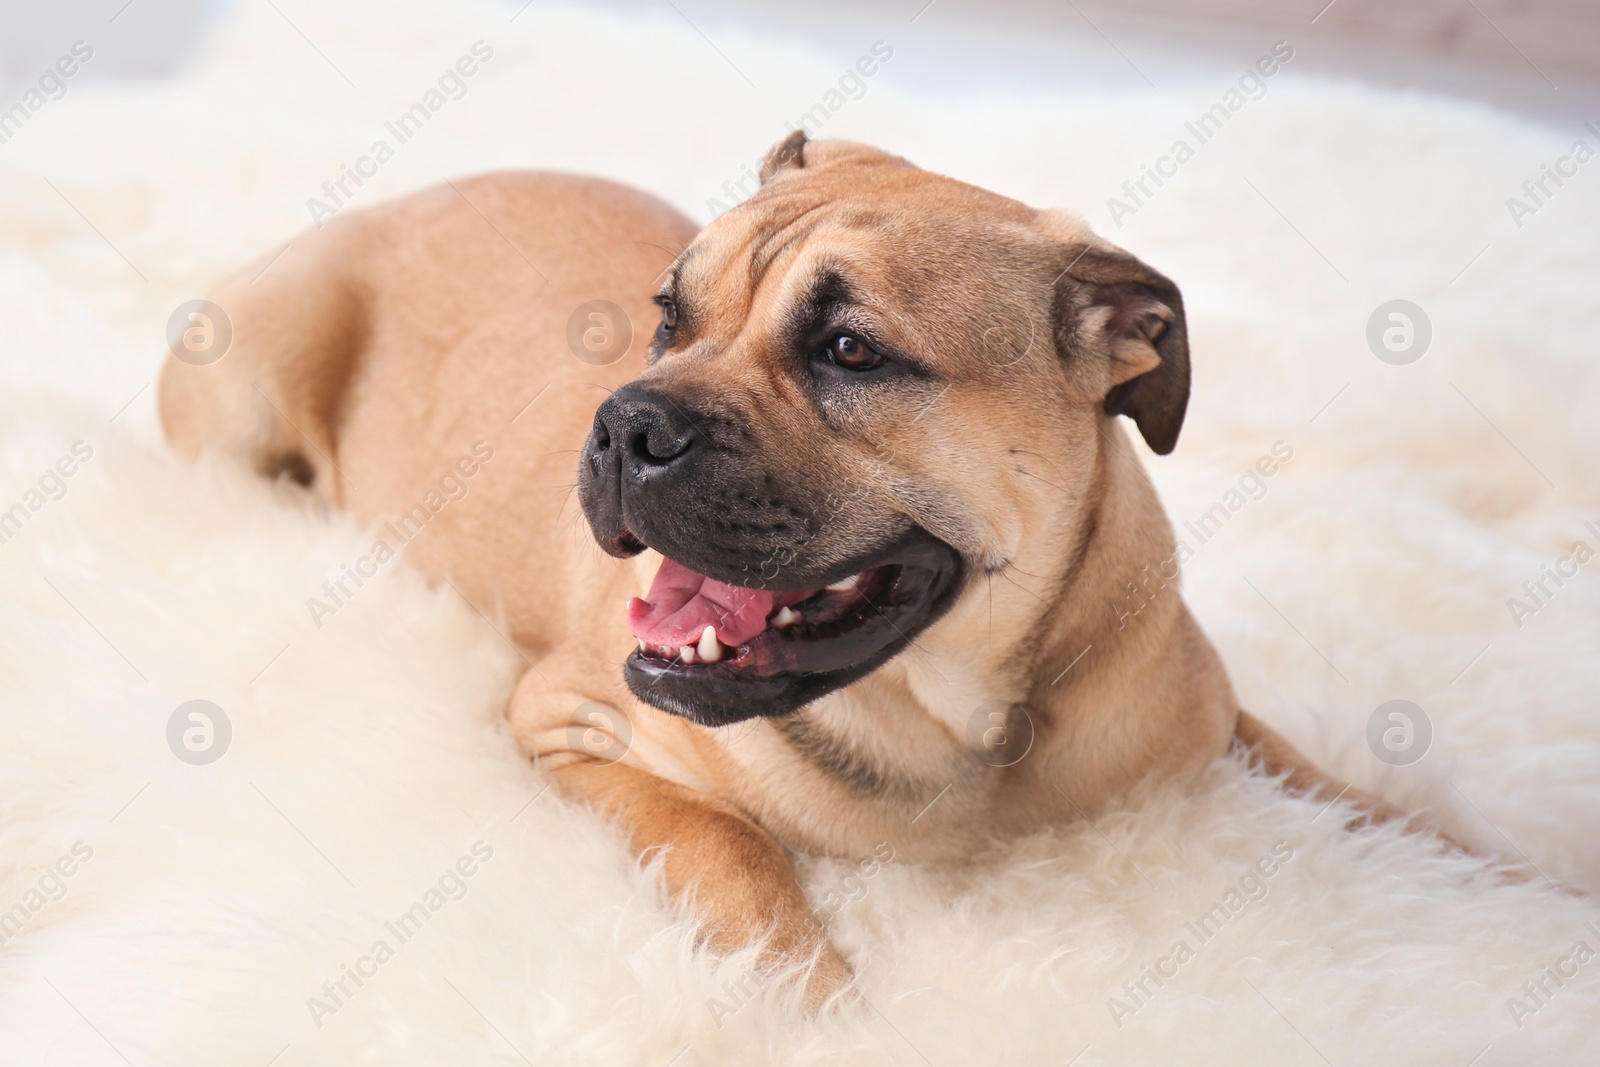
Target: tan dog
x=876 y=441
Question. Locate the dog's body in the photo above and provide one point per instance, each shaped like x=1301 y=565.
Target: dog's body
x=977 y=478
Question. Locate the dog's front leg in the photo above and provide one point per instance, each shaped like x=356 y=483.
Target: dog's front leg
x=741 y=883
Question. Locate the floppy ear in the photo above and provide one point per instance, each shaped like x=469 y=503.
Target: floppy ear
x=789 y=152
x=1111 y=306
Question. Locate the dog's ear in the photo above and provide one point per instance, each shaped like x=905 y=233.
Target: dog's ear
x=787 y=153
x=795 y=152
x=1113 y=310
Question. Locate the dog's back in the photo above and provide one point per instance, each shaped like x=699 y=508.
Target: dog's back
x=412 y=364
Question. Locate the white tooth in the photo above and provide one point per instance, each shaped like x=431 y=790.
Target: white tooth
x=641 y=644
x=845 y=585
x=686 y=654
x=785 y=617
x=710 y=648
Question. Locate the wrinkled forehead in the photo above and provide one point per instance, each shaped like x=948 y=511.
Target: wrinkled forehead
x=916 y=244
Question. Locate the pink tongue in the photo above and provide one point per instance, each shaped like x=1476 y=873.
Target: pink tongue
x=681 y=604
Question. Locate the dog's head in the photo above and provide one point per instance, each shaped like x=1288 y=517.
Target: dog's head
x=870 y=384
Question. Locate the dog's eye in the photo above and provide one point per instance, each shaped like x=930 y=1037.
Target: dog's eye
x=669 y=316
x=852 y=353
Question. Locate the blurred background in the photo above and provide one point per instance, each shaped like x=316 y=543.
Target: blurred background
x=1537 y=58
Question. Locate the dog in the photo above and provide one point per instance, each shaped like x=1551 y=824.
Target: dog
x=859 y=498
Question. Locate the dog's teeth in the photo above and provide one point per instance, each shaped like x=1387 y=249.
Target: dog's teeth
x=641 y=644
x=785 y=617
x=709 y=648
x=686 y=654
x=845 y=585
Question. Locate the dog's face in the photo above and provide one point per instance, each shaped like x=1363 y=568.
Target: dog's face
x=870 y=385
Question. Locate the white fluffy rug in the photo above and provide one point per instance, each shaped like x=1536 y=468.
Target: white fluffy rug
x=207 y=905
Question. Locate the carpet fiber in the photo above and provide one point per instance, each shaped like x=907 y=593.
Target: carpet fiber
x=371 y=874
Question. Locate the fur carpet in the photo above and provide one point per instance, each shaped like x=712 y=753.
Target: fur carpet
x=171 y=911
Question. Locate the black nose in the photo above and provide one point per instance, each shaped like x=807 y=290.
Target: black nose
x=643 y=432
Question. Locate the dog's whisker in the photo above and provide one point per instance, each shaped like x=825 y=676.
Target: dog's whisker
x=1022 y=587
x=1029 y=474
x=1046 y=460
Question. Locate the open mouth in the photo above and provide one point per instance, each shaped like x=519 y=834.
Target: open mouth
x=718 y=653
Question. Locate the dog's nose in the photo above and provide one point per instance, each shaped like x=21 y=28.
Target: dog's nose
x=644 y=432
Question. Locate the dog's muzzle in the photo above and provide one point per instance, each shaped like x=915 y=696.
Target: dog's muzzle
x=748 y=615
